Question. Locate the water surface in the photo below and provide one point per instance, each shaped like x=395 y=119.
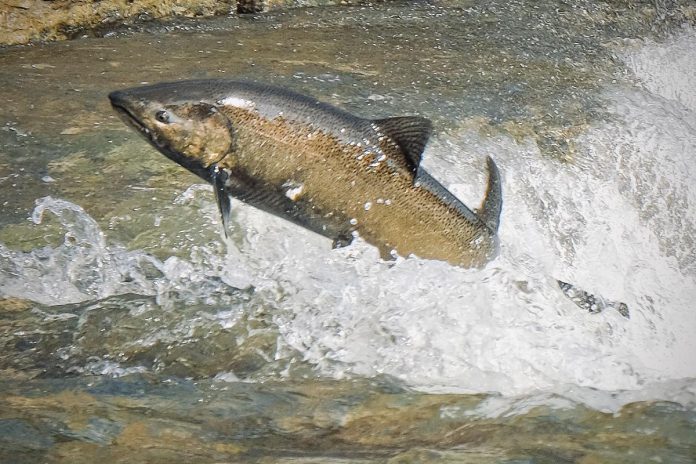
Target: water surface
x=132 y=332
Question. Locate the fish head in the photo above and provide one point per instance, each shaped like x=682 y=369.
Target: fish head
x=190 y=131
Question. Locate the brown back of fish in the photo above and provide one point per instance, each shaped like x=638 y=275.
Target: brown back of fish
x=345 y=187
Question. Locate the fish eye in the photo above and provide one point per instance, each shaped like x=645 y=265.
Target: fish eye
x=162 y=116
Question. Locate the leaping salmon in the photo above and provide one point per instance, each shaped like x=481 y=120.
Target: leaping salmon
x=315 y=165
x=322 y=168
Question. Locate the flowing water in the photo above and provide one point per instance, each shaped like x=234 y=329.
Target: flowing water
x=131 y=331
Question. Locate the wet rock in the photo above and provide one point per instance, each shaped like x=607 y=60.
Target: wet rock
x=30 y=20
x=19 y=435
x=23 y=21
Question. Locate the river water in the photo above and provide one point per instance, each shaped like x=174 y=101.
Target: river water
x=131 y=331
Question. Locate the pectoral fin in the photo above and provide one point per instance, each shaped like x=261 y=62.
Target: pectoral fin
x=219 y=178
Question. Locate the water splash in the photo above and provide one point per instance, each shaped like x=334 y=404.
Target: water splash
x=506 y=328
x=614 y=221
x=82 y=268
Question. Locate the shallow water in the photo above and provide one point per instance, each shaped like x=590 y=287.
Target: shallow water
x=131 y=331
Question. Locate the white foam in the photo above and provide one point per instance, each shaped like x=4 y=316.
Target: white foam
x=666 y=69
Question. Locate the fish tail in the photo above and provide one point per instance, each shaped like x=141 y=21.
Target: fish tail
x=493 y=202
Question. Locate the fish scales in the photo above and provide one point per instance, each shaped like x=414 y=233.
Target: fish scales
x=339 y=178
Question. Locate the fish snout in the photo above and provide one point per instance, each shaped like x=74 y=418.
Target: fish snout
x=124 y=102
x=130 y=110
x=119 y=99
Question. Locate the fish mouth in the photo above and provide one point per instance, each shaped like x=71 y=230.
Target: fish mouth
x=122 y=107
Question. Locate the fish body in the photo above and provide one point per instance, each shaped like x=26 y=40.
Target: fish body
x=316 y=165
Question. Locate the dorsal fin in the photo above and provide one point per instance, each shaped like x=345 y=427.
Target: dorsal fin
x=410 y=133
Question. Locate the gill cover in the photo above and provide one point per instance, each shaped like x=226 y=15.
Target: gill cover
x=197 y=131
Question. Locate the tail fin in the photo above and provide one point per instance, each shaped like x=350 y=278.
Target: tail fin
x=493 y=202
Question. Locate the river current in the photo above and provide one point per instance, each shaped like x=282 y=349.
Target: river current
x=131 y=328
